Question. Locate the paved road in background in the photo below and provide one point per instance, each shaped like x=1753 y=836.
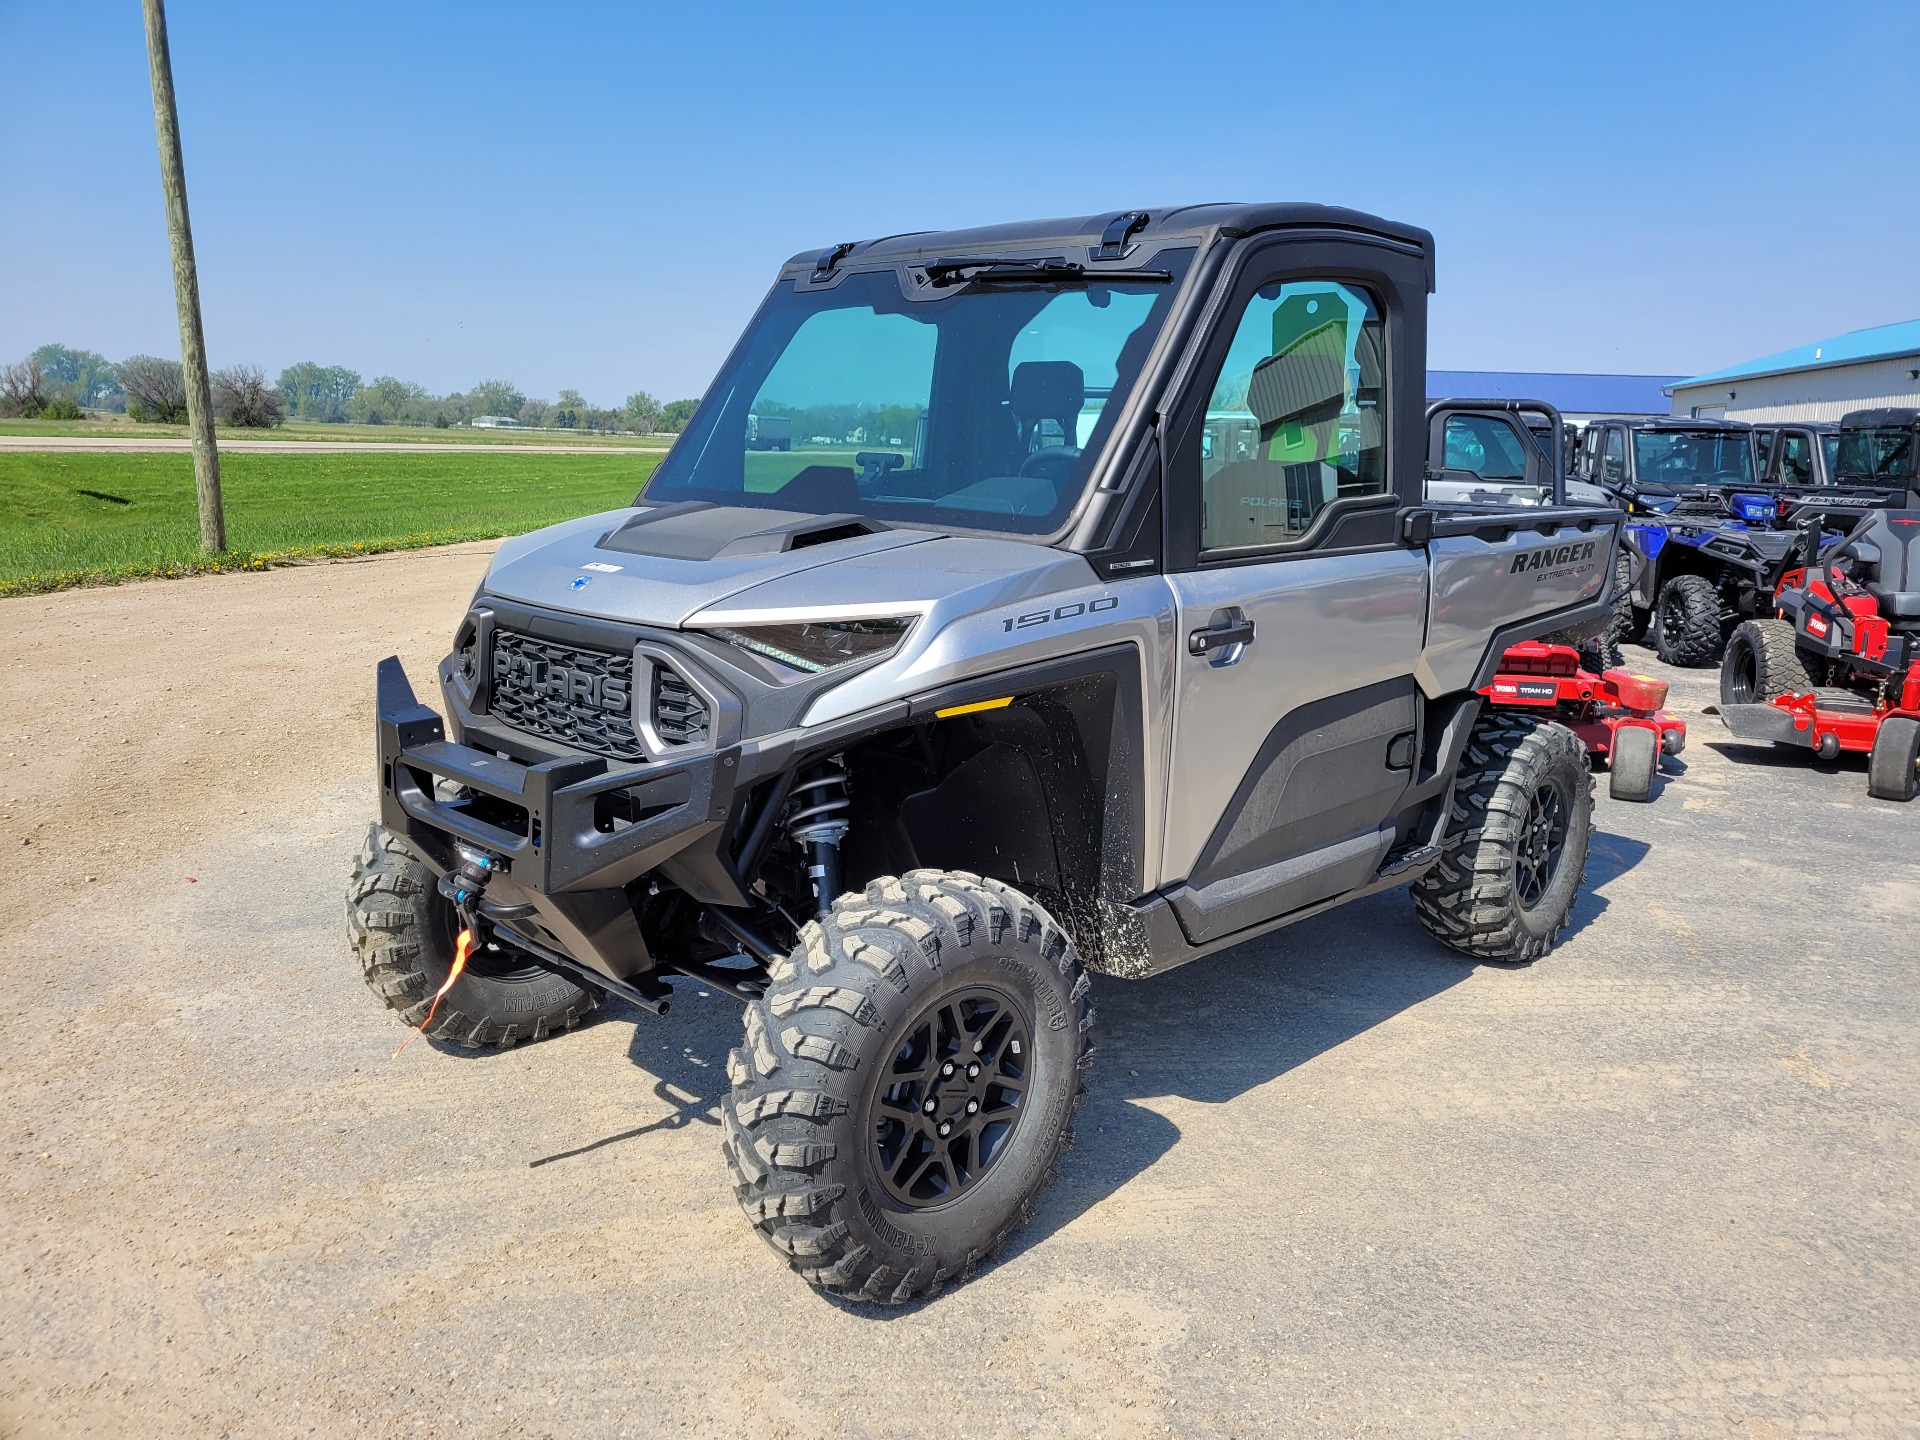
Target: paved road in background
x=159 y=445
x=1337 y=1181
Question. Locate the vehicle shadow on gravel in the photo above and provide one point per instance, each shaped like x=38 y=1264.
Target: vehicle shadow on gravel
x=684 y=1053
x=1209 y=1032
x=1791 y=757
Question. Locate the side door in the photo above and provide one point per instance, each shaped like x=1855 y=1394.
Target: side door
x=1300 y=614
x=1793 y=458
x=1613 y=457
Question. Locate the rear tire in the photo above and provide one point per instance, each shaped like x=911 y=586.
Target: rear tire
x=403 y=929
x=1893 y=768
x=1764 y=660
x=1686 y=622
x=1523 y=815
x=937 y=989
x=1633 y=764
x=1628 y=623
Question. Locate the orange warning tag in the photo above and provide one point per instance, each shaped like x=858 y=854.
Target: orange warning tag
x=460 y=949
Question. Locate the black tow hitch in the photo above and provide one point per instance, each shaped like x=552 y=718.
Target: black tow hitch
x=466 y=887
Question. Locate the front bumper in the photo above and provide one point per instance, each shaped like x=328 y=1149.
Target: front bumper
x=574 y=833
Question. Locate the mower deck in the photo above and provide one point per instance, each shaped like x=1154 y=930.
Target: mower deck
x=1536 y=675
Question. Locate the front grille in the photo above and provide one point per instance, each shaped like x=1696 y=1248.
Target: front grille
x=679 y=714
x=577 y=696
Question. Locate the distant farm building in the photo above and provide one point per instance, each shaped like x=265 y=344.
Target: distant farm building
x=1861 y=370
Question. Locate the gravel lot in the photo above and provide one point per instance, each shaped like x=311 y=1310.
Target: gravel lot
x=1334 y=1182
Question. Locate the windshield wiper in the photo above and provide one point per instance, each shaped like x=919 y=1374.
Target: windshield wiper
x=1003 y=270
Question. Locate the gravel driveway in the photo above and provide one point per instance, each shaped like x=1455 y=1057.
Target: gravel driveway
x=1336 y=1181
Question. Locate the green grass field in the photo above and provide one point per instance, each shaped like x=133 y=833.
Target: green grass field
x=121 y=426
x=91 y=518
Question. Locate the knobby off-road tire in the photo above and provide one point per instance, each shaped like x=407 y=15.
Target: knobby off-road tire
x=1523 y=815
x=1686 y=622
x=880 y=1012
x=1893 y=768
x=1627 y=625
x=1633 y=763
x=1763 y=660
x=403 y=930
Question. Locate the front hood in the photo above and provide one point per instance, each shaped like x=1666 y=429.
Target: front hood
x=661 y=565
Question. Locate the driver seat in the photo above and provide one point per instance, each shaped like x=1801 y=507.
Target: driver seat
x=1044 y=390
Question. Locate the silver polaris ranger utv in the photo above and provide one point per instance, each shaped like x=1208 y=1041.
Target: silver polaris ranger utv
x=1094 y=621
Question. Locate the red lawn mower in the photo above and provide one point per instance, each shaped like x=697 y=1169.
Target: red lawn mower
x=1839 y=669
x=1616 y=713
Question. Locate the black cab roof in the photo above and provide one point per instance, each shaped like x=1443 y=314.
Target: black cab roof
x=1670 y=422
x=1889 y=418
x=1120 y=234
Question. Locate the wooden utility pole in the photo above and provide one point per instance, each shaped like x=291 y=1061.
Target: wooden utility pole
x=186 y=286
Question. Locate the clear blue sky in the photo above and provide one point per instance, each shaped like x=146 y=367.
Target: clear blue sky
x=596 y=195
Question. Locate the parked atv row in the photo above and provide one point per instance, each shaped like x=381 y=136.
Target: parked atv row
x=1709 y=534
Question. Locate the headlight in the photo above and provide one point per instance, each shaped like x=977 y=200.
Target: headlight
x=813 y=647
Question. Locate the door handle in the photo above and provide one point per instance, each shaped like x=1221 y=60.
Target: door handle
x=1228 y=634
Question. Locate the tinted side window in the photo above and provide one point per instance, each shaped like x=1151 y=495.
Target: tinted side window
x=1762 y=444
x=1297 y=415
x=1485 y=446
x=1614 y=465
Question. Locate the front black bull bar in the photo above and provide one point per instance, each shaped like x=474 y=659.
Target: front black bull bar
x=568 y=863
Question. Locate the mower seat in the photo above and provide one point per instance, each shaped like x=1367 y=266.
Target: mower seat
x=1896 y=604
x=1887 y=543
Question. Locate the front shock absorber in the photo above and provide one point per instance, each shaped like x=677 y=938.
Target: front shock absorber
x=818 y=823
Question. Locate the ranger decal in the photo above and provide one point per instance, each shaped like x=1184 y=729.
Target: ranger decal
x=1552 y=556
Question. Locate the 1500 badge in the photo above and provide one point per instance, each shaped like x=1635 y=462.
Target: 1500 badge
x=1060 y=612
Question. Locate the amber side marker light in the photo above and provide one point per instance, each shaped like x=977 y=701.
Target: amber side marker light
x=977 y=706
x=461 y=949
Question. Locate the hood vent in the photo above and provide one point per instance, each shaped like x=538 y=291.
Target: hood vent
x=696 y=530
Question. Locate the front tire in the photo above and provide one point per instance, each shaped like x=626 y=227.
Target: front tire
x=1523 y=813
x=1686 y=622
x=402 y=930
x=1633 y=763
x=1893 y=767
x=907 y=1083
x=1764 y=660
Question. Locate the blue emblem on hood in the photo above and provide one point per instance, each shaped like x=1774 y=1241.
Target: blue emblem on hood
x=581 y=582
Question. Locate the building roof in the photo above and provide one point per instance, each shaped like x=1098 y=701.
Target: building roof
x=1878 y=342
x=1571 y=394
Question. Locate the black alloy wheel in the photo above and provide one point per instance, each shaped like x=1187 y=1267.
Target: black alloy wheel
x=947 y=1107
x=1543 y=835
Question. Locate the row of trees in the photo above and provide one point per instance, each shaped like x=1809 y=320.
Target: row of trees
x=57 y=382
x=65 y=385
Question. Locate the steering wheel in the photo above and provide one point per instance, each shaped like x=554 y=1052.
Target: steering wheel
x=1054 y=463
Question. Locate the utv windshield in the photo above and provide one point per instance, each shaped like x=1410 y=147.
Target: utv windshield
x=1692 y=457
x=1881 y=454
x=981 y=409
